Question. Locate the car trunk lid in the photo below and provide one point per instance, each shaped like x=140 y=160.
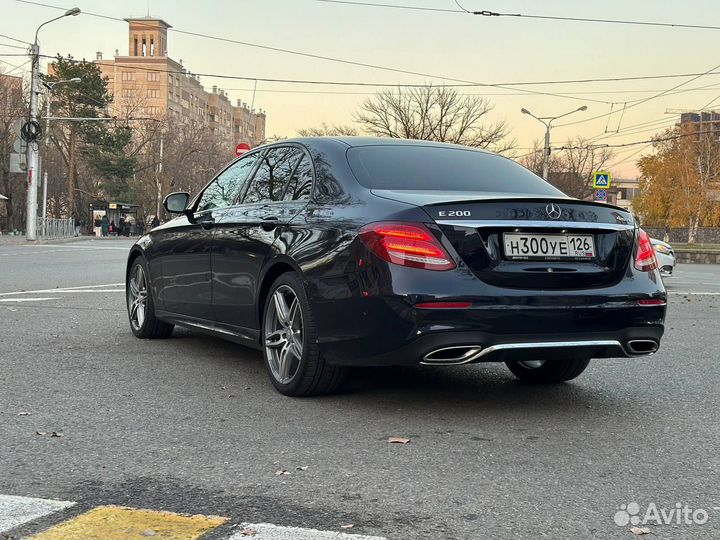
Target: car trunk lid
x=476 y=226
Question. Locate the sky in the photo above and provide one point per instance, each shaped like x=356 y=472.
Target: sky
x=441 y=46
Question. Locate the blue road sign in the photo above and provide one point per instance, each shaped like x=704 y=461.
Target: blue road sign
x=601 y=195
x=601 y=180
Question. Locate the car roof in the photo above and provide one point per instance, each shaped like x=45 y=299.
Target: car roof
x=379 y=141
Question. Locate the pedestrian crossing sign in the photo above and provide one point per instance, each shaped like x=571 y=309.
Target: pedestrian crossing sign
x=601 y=180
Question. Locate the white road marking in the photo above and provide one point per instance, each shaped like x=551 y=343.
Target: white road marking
x=268 y=531
x=83 y=288
x=16 y=511
x=70 y=248
x=695 y=293
x=93 y=286
x=27 y=299
x=84 y=291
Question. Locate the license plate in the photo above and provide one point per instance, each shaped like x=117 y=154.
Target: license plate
x=549 y=246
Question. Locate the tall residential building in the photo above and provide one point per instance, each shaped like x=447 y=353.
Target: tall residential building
x=701 y=121
x=147 y=82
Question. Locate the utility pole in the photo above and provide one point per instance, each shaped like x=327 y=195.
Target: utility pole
x=547 y=122
x=32 y=132
x=50 y=85
x=32 y=145
x=546 y=153
x=158 y=178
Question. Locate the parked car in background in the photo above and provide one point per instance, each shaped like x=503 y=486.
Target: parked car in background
x=665 y=256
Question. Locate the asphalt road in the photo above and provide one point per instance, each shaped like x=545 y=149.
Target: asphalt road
x=191 y=424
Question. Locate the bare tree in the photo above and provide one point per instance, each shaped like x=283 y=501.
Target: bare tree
x=325 y=130
x=571 y=166
x=191 y=156
x=12 y=109
x=580 y=160
x=434 y=113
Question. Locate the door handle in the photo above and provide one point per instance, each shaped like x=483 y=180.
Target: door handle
x=268 y=223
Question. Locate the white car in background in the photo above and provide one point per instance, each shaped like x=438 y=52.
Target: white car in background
x=665 y=256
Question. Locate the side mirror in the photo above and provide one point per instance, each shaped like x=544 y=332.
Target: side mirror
x=176 y=203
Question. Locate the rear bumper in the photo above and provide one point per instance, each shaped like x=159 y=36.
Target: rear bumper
x=384 y=327
x=390 y=331
x=497 y=347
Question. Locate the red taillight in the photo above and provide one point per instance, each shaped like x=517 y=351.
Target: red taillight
x=407 y=245
x=651 y=302
x=645 y=256
x=443 y=305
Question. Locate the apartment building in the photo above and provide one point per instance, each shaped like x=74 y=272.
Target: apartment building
x=148 y=83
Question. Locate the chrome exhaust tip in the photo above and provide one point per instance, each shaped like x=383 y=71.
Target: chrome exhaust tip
x=642 y=346
x=447 y=356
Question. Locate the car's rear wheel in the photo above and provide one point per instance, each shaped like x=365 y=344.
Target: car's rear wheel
x=290 y=345
x=141 y=311
x=547 y=371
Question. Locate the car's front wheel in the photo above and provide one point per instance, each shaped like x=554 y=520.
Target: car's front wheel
x=141 y=310
x=547 y=371
x=290 y=347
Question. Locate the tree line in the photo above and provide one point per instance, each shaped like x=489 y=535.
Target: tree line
x=118 y=158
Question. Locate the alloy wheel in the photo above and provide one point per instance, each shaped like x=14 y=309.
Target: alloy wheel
x=137 y=297
x=284 y=334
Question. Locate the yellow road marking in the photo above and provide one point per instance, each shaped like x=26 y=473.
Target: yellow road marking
x=120 y=523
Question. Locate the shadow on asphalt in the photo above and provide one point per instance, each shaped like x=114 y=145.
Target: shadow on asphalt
x=480 y=387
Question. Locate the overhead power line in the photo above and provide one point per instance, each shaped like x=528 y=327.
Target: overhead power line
x=394 y=6
x=512 y=92
x=488 y=13
x=459 y=82
x=629 y=156
x=322 y=57
x=645 y=100
x=12 y=46
x=14 y=67
x=15 y=39
x=646 y=141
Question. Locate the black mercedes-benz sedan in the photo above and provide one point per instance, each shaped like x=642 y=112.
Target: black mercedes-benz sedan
x=334 y=252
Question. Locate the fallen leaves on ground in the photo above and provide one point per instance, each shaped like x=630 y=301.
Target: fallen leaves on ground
x=398 y=440
x=282 y=472
x=348 y=526
x=639 y=530
x=51 y=434
x=24 y=413
x=303 y=468
x=248 y=532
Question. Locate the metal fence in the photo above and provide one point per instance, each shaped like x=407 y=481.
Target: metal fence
x=56 y=228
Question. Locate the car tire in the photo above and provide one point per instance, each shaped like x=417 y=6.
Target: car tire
x=289 y=342
x=140 y=306
x=548 y=371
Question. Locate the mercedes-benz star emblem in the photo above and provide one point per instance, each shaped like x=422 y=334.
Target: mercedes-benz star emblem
x=553 y=211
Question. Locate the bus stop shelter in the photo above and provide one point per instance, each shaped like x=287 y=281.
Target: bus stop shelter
x=114 y=211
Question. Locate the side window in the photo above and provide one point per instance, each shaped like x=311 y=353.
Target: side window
x=224 y=190
x=273 y=173
x=300 y=184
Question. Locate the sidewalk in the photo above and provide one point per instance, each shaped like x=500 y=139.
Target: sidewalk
x=8 y=240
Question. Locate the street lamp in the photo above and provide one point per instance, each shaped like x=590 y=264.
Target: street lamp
x=50 y=85
x=547 y=122
x=32 y=131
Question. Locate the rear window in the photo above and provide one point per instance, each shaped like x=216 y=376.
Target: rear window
x=444 y=169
